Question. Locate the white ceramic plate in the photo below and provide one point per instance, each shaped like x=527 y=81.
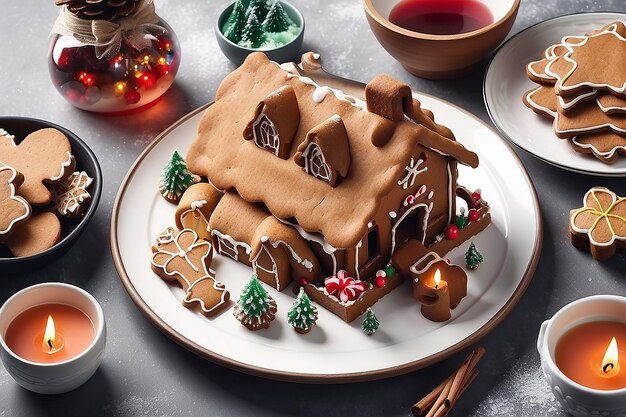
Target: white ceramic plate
x=335 y=351
x=506 y=82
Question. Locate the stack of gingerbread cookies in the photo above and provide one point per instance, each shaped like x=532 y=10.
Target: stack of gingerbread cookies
x=38 y=186
x=582 y=87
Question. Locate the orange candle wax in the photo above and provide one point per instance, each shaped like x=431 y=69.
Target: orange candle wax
x=584 y=355
x=33 y=337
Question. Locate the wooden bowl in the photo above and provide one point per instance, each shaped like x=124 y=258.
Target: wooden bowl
x=440 y=56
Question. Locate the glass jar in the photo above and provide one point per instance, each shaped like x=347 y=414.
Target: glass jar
x=130 y=80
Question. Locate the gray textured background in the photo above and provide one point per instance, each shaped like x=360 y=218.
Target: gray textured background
x=143 y=373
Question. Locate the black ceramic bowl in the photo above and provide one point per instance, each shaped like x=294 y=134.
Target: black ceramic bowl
x=237 y=53
x=70 y=229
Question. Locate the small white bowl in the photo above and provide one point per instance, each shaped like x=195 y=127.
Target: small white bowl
x=576 y=399
x=53 y=378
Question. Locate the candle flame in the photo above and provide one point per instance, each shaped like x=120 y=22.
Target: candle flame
x=49 y=337
x=437 y=278
x=610 y=360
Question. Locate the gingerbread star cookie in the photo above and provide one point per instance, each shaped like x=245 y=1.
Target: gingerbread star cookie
x=14 y=210
x=44 y=157
x=181 y=256
x=600 y=225
x=70 y=197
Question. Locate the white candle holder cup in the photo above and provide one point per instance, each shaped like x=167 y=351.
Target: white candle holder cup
x=576 y=399
x=53 y=378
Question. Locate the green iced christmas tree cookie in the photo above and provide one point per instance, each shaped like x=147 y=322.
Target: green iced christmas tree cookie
x=176 y=178
x=473 y=258
x=371 y=323
x=303 y=314
x=255 y=308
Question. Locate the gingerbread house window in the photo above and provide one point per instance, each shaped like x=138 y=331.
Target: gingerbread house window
x=325 y=153
x=275 y=122
x=373 y=238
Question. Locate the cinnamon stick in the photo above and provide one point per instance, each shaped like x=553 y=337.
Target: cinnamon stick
x=425 y=403
x=439 y=401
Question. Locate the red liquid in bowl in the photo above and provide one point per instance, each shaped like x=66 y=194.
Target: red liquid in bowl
x=441 y=17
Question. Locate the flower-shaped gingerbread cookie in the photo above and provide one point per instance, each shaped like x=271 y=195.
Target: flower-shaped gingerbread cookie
x=600 y=225
x=181 y=256
x=13 y=208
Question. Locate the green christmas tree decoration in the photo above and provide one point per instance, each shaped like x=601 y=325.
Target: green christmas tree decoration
x=303 y=314
x=255 y=308
x=176 y=178
x=233 y=28
x=389 y=270
x=461 y=220
x=371 y=323
x=253 y=35
x=277 y=19
x=473 y=258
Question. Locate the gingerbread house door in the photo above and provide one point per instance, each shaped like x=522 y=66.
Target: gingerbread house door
x=411 y=223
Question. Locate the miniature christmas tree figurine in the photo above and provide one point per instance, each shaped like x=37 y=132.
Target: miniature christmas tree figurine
x=252 y=35
x=255 y=308
x=260 y=8
x=277 y=20
x=461 y=220
x=473 y=258
x=176 y=178
x=233 y=28
x=303 y=314
x=371 y=323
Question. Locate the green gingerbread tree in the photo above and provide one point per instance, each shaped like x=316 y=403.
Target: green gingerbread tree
x=233 y=28
x=255 y=308
x=175 y=178
x=303 y=314
x=473 y=258
x=371 y=323
x=252 y=35
x=277 y=20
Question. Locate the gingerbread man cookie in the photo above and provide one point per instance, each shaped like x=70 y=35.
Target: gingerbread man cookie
x=13 y=209
x=41 y=232
x=600 y=225
x=44 y=157
x=71 y=196
x=181 y=256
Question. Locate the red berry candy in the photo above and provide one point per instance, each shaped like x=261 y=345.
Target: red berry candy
x=303 y=282
x=452 y=232
x=380 y=281
x=472 y=215
x=132 y=97
x=476 y=196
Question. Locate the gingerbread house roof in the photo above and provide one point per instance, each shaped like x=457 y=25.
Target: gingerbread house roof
x=340 y=214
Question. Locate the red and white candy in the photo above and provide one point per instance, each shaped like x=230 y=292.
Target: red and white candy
x=345 y=287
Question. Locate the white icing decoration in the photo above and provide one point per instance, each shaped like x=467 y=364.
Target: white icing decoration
x=197 y=204
x=317 y=238
x=216 y=285
x=356 y=258
x=430 y=195
x=288 y=66
x=318 y=167
x=428 y=208
x=273 y=271
x=268 y=137
x=316 y=56
x=64 y=166
x=393 y=214
x=607 y=154
x=227 y=241
x=6 y=135
x=436 y=258
x=413 y=170
x=304 y=262
x=13 y=196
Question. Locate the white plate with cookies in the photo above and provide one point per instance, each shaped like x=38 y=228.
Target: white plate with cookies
x=506 y=82
x=336 y=351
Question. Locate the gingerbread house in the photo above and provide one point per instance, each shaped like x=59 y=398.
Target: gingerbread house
x=317 y=181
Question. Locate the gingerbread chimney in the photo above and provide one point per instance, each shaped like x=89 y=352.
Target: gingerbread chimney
x=275 y=122
x=325 y=152
x=388 y=98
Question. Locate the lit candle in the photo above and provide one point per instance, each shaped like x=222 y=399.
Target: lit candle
x=52 y=337
x=589 y=355
x=438 y=286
